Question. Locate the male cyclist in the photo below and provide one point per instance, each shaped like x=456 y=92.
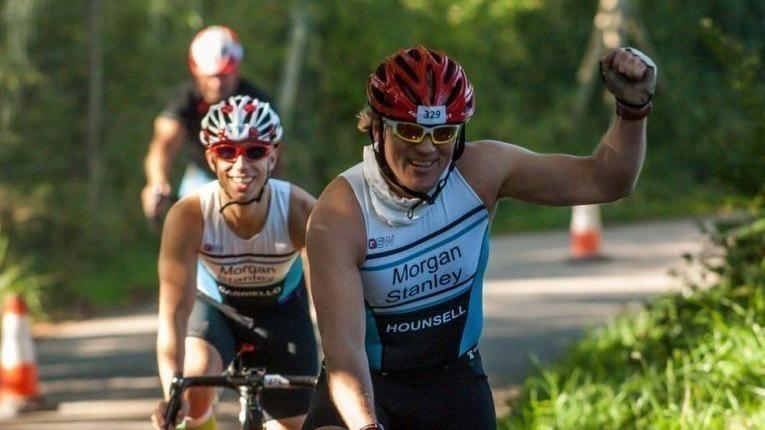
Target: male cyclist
x=398 y=244
x=214 y=57
x=236 y=241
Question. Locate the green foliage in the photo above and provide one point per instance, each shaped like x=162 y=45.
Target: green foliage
x=710 y=108
x=742 y=242
x=740 y=126
x=17 y=278
x=687 y=361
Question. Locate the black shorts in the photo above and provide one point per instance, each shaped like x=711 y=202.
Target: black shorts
x=296 y=353
x=455 y=398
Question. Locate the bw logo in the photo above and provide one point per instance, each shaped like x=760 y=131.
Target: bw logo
x=381 y=242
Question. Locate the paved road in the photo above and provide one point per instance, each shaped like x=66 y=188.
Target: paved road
x=101 y=373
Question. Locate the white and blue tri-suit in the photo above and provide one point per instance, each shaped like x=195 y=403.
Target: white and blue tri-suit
x=423 y=286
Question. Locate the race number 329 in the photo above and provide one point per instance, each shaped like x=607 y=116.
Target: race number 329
x=431 y=114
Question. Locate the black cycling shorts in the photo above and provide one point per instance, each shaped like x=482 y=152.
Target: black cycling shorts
x=455 y=398
x=294 y=353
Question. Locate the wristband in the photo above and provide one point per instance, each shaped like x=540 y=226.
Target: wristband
x=633 y=113
x=373 y=426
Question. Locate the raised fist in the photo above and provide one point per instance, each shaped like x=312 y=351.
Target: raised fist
x=631 y=77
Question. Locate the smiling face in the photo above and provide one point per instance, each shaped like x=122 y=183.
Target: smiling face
x=242 y=179
x=417 y=166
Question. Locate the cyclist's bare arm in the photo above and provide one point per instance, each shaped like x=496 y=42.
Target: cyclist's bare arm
x=168 y=137
x=497 y=169
x=501 y=170
x=335 y=244
x=181 y=239
x=301 y=205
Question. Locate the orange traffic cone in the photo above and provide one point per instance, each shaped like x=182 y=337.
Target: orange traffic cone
x=585 y=233
x=19 y=388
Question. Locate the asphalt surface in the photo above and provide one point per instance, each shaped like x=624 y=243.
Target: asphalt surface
x=101 y=373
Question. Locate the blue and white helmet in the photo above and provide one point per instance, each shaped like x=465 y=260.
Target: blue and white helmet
x=240 y=119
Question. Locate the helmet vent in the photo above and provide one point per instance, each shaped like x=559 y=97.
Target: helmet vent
x=238 y=119
x=407 y=69
x=455 y=92
x=380 y=72
x=408 y=90
x=380 y=97
x=430 y=76
x=414 y=53
x=450 y=67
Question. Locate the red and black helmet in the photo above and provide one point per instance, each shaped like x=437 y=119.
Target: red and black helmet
x=416 y=77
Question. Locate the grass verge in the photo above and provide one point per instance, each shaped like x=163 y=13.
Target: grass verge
x=686 y=361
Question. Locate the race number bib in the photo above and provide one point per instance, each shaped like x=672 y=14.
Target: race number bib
x=431 y=114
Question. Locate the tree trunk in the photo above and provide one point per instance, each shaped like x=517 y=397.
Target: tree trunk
x=293 y=64
x=607 y=32
x=291 y=81
x=15 y=68
x=95 y=106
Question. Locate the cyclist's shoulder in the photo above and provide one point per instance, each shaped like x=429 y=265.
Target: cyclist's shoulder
x=181 y=100
x=186 y=210
x=183 y=227
x=301 y=204
x=339 y=193
x=485 y=164
x=481 y=155
x=300 y=199
x=337 y=207
x=336 y=229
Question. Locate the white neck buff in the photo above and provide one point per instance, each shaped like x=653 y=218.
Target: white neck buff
x=389 y=207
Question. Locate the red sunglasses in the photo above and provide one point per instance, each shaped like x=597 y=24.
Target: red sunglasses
x=231 y=151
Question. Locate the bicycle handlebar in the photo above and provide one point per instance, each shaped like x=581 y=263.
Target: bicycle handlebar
x=288 y=381
x=174 y=402
x=256 y=378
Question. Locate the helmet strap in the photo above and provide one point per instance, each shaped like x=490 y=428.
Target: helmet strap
x=387 y=172
x=256 y=199
x=459 y=148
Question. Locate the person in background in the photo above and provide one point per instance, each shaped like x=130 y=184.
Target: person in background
x=214 y=57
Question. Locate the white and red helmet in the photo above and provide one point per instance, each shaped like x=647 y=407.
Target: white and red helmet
x=240 y=119
x=215 y=50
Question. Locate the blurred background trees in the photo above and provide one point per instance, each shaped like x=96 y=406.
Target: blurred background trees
x=705 y=136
